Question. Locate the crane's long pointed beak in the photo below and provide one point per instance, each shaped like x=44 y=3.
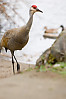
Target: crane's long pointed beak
x=39 y=10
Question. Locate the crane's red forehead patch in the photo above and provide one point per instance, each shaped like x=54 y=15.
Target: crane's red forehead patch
x=34 y=6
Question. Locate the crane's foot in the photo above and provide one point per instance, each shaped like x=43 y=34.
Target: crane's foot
x=18 y=68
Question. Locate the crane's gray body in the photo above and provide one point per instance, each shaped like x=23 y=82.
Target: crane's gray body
x=17 y=38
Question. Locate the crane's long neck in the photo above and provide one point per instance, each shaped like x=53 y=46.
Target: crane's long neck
x=29 y=23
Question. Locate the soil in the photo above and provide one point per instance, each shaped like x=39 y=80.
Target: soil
x=30 y=84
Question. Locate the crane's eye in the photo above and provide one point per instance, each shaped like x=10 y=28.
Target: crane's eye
x=34 y=7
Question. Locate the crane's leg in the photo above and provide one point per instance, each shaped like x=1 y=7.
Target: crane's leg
x=18 y=66
x=13 y=64
x=12 y=52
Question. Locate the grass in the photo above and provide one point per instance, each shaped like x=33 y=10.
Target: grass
x=49 y=67
x=61 y=69
x=27 y=70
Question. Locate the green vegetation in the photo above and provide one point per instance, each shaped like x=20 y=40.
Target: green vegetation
x=61 y=69
x=29 y=69
x=54 y=68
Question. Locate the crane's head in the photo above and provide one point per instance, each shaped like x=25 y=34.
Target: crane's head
x=34 y=9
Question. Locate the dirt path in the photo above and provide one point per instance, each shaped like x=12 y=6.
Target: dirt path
x=6 y=67
x=30 y=84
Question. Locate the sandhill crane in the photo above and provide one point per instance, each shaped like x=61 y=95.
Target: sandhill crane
x=61 y=28
x=17 y=38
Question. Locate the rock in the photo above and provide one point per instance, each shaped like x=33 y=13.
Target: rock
x=57 y=52
x=58 y=49
x=57 y=65
x=43 y=58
